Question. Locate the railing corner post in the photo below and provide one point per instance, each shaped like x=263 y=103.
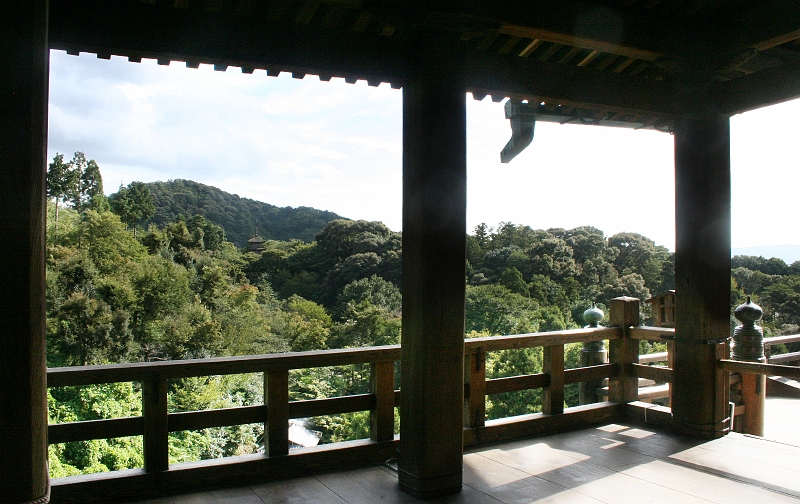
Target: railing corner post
x=624 y=313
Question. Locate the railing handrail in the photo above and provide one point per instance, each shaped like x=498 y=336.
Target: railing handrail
x=138 y=371
x=540 y=339
x=776 y=340
x=735 y=366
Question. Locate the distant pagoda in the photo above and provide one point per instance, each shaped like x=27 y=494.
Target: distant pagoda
x=255 y=243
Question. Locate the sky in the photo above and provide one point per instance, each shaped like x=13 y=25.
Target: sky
x=338 y=147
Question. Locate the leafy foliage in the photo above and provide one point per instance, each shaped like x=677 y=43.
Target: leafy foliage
x=180 y=290
x=240 y=217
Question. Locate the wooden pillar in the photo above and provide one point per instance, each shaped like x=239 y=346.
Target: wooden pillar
x=702 y=274
x=434 y=252
x=24 y=59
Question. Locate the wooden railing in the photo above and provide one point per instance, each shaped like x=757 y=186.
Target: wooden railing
x=155 y=424
x=552 y=380
x=785 y=357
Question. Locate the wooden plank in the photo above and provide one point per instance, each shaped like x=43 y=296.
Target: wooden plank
x=515 y=383
x=655 y=373
x=654 y=357
x=758 y=368
x=581 y=42
x=156 y=431
x=276 y=430
x=382 y=416
x=591 y=373
x=530 y=340
x=553 y=364
x=649 y=414
x=570 y=54
x=624 y=313
x=652 y=333
x=589 y=58
x=509 y=45
x=195 y=420
x=648 y=394
x=137 y=371
x=242 y=470
x=23 y=121
x=530 y=48
x=550 y=52
x=625 y=64
x=786 y=357
x=95 y=429
x=475 y=378
x=578 y=417
x=331 y=406
x=776 y=340
x=776 y=41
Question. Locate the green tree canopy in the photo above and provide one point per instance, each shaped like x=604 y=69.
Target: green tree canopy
x=133 y=204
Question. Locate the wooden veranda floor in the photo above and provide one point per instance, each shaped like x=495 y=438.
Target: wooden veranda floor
x=610 y=464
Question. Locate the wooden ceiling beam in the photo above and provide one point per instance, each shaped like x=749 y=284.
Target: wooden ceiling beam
x=759 y=89
x=580 y=42
x=153 y=32
x=588 y=25
x=569 y=85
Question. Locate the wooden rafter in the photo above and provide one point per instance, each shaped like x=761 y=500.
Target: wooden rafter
x=579 y=42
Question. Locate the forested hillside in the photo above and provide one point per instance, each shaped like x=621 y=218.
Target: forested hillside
x=180 y=290
x=238 y=216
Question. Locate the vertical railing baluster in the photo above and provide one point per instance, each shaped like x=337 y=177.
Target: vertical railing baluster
x=475 y=377
x=276 y=427
x=156 y=429
x=624 y=313
x=553 y=364
x=382 y=417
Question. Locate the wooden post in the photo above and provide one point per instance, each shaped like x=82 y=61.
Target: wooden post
x=702 y=275
x=434 y=269
x=475 y=378
x=553 y=399
x=754 y=391
x=276 y=397
x=624 y=313
x=24 y=58
x=382 y=417
x=156 y=429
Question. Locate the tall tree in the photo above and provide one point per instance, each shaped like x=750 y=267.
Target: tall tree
x=61 y=182
x=89 y=194
x=133 y=204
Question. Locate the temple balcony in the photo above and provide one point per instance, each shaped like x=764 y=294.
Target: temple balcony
x=620 y=447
